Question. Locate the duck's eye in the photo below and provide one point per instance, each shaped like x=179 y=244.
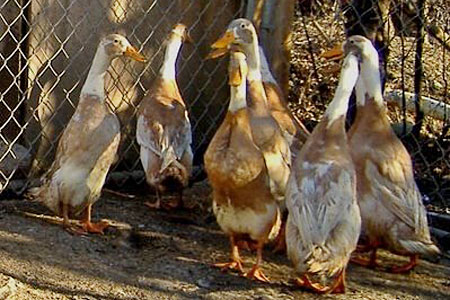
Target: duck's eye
x=116 y=41
x=242 y=26
x=352 y=42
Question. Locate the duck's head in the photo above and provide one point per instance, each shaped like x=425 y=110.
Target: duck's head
x=180 y=31
x=358 y=45
x=116 y=45
x=361 y=47
x=237 y=69
x=240 y=32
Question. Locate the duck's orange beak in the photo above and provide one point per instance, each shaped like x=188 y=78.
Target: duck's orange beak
x=134 y=54
x=336 y=53
x=224 y=40
x=215 y=53
x=221 y=46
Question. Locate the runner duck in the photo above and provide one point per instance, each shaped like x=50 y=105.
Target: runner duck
x=266 y=132
x=87 y=147
x=393 y=216
x=243 y=204
x=163 y=128
x=324 y=222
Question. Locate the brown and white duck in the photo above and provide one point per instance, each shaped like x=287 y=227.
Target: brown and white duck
x=243 y=203
x=324 y=222
x=393 y=216
x=266 y=132
x=88 y=145
x=163 y=128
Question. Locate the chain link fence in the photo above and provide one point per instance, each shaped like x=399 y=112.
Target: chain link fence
x=46 y=51
x=412 y=38
x=47 y=46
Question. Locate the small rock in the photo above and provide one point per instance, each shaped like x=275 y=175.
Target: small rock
x=204 y=283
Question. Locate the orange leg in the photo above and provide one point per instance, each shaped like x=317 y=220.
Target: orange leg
x=89 y=227
x=256 y=273
x=371 y=263
x=339 y=285
x=236 y=262
x=66 y=221
x=408 y=267
x=68 y=226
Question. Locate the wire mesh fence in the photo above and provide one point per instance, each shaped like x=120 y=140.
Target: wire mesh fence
x=47 y=46
x=412 y=38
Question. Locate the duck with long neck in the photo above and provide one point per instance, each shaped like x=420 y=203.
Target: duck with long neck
x=243 y=204
x=88 y=145
x=324 y=222
x=393 y=216
x=265 y=129
x=163 y=128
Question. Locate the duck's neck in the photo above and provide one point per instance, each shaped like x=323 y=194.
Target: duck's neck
x=360 y=92
x=339 y=105
x=266 y=75
x=238 y=96
x=95 y=81
x=370 y=73
x=254 y=63
x=259 y=104
x=167 y=70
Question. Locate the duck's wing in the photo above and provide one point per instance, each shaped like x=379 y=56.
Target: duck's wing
x=163 y=127
x=322 y=196
x=393 y=179
x=324 y=214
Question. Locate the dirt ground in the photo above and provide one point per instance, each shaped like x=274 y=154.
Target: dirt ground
x=151 y=254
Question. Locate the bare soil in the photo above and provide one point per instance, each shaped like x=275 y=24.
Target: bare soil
x=156 y=254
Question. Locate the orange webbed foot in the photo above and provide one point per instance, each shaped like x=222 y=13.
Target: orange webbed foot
x=94 y=227
x=405 y=268
x=233 y=265
x=365 y=262
x=256 y=274
x=304 y=282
